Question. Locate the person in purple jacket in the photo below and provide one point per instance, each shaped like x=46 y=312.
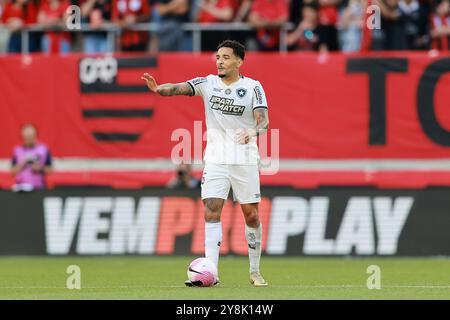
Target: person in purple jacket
x=31 y=161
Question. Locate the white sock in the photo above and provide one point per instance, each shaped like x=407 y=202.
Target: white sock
x=213 y=239
x=253 y=236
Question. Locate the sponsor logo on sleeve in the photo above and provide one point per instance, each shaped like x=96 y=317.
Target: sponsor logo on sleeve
x=258 y=95
x=198 y=81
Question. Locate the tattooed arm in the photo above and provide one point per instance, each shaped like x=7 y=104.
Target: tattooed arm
x=262 y=124
x=175 y=89
x=167 y=89
x=262 y=120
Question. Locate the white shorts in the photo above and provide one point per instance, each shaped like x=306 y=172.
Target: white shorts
x=243 y=179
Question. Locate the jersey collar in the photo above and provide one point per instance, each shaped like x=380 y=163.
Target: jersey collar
x=231 y=85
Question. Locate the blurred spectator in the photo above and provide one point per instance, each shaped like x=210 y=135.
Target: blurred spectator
x=306 y=36
x=440 y=26
x=392 y=35
x=4 y=33
x=95 y=13
x=125 y=13
x=184 y=178
x=295 y=11
x=31 y=161
x=241 y=9
x=16 y=15
x=328 y=17
x=170 y=14
x=405 y=25
x=414 y=22
x=52 y=13
x=351 y=24
x=267 y=16
x=212 y=11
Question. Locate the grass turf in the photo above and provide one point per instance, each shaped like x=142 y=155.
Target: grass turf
x=163 y=278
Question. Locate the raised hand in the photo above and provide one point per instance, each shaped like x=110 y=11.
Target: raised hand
x=150 y=81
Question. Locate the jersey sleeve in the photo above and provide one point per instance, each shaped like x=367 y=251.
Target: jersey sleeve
x=198 y=86
x=259 y=97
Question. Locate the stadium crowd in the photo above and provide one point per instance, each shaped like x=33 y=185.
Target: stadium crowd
x=320 y=25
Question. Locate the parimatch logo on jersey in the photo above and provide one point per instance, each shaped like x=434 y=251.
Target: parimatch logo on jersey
x=226 y=106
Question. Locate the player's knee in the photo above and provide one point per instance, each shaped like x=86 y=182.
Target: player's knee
x=213 y=208
x=252 y=218
x=212 y=216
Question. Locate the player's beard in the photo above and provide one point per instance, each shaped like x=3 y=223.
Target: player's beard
x=223 y=75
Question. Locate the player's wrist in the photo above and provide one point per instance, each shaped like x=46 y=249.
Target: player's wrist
x=159 y=90
x=252 y=132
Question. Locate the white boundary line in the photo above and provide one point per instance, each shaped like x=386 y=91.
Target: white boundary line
x=343 y=286
x=99 y=164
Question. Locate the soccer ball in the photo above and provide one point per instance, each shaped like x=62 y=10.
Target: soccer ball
x=202 y=272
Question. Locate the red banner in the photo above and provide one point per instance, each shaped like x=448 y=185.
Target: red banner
x=392 y=105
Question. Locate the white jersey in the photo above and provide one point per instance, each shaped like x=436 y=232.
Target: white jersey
x=227 y=110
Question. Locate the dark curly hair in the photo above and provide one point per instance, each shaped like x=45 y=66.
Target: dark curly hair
x=238 y=48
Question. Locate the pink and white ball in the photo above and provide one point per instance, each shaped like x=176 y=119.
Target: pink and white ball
x=202 y=272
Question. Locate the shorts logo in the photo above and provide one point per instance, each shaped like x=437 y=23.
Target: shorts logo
x=228 y=91
x=241 y=92
x=226 y=106
x=257 y=195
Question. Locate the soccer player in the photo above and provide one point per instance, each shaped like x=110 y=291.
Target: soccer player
x=236 y=113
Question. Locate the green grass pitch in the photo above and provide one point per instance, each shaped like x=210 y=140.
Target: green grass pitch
x=163 y=278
